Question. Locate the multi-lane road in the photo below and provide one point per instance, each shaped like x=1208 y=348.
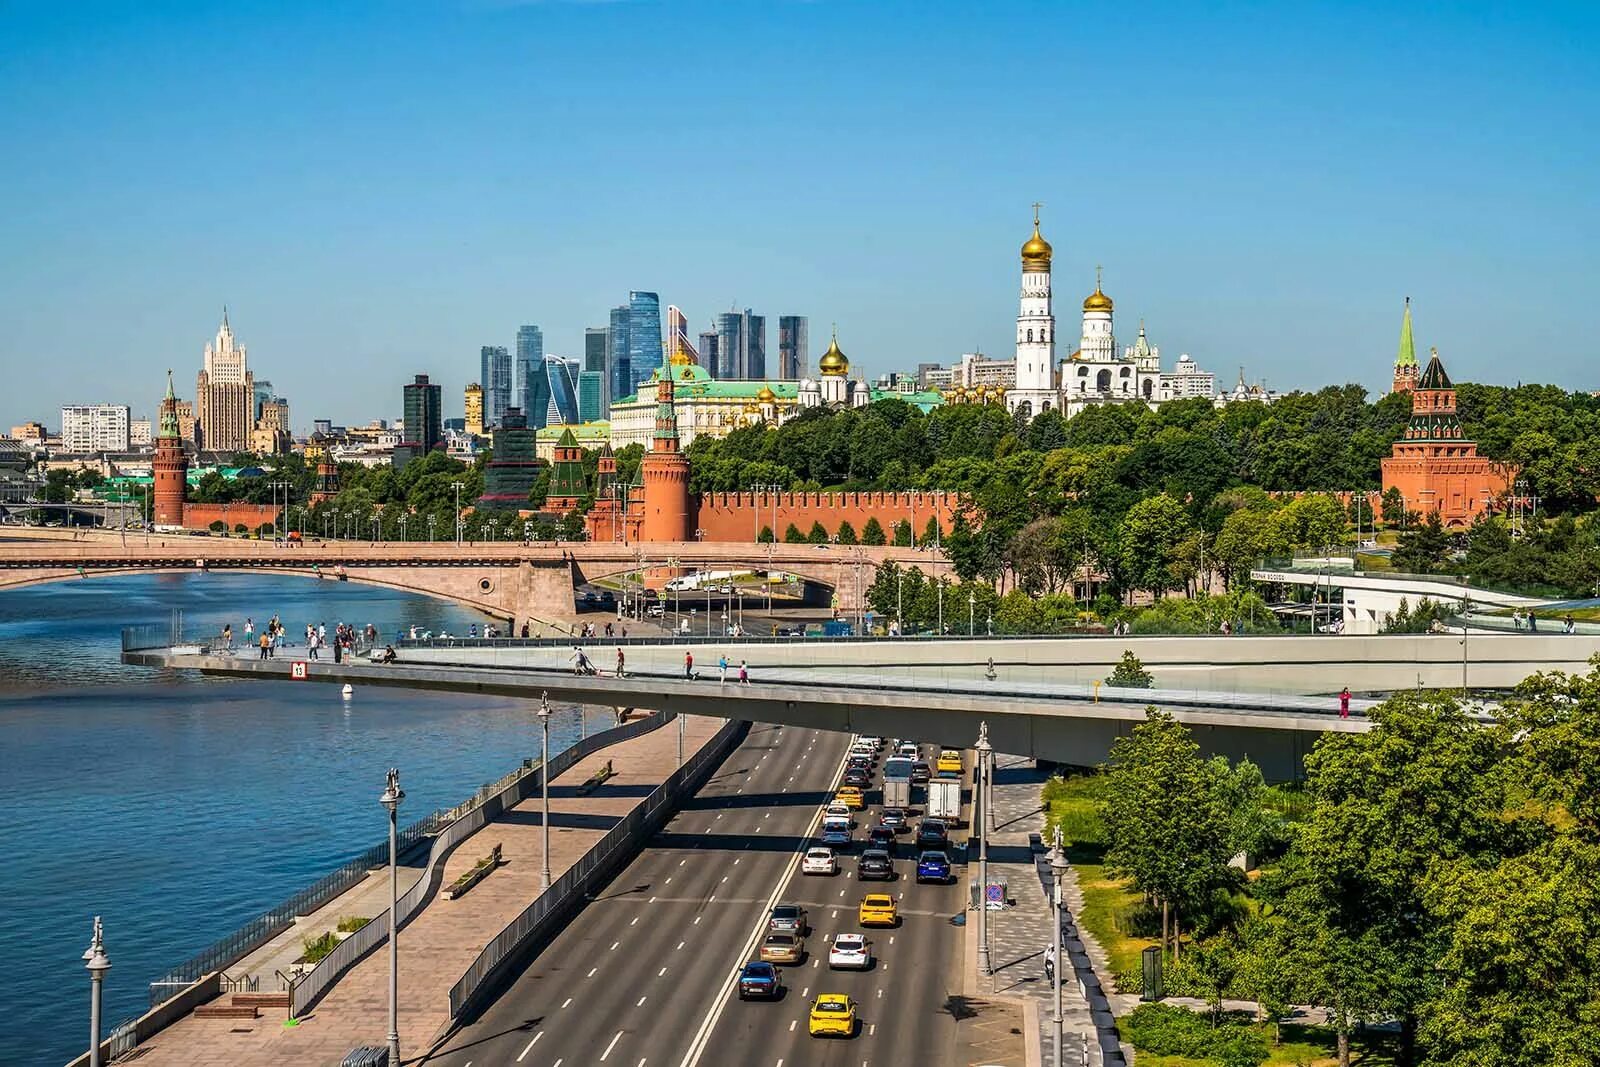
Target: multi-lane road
x=643 y=976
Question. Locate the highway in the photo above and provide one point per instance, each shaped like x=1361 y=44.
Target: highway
x=642 y=977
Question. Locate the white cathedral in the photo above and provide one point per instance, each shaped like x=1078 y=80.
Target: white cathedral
x=1095 y=373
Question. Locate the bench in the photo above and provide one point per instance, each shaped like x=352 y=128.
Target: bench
x=478 y=873
x=596 y=780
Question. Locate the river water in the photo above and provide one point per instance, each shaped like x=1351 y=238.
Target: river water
x=177 y=807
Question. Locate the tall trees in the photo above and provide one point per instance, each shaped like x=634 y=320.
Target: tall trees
x=1152 y=531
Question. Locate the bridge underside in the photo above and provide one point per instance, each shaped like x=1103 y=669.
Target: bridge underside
x=1072 y=731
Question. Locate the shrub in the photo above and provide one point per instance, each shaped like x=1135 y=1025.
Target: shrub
x=872 y=532
x=1168 y=1030
x=1130 y=673
x=318 y=947
x=351 y=923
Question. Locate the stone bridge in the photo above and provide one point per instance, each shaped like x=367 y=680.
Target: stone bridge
x=513 y=581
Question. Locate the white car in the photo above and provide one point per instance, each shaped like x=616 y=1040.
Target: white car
x=849 y=952
x=839 y=811
x=819 y=861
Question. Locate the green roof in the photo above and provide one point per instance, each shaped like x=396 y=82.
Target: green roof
x=1408 y=347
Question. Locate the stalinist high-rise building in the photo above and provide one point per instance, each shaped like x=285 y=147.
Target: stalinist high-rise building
x=225 y=395
x=1037 y=389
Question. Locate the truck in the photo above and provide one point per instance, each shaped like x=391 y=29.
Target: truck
x=897 y=792
x=944 y=800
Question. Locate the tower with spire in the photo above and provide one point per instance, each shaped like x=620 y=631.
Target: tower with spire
x=1406 y=370
x=170 y=468
x=1036 y=388
x=664 y=471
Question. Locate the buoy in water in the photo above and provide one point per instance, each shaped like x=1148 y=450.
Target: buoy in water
x=348 y=690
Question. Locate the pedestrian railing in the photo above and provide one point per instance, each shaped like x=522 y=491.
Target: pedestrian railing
x=620 y=843
x=312 y=984
x=123 y=1039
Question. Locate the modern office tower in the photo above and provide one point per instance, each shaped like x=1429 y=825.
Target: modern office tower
x=594 y=359
x=792 y=342
x=95 y=428
x=755 y=345
x=424 y=423
x=322 y=426
x=262 y=395
x=526 y=368
x=225 y=394
x=495 y=376
x=644 y=337
x=619 y=374
x=591 y=396
x=730 y=344
x=678 y=343
x=473 y=399
x=554 y=394
x=708 y=351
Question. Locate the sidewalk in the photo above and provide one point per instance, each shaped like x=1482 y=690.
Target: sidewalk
x=446 y=936
x=1018 y=935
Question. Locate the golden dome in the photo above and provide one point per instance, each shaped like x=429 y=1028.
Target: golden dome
x=766 y=396
x=1036 y=251
x=751 y=409
x=1097 y=300
x=833 y=362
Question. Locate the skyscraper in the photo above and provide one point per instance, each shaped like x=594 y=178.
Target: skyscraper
x=526 y=370
x=473 y=397
x=678 y=342
x=755 y=345
x=708 y=351
x=644 y=337
x=424 y=429
x=225 y=394
x=591 y=396
x=792 y=347
x=559 y=389
x=730 y=344
x=618 y=369
x=594 y=359
x=495 y=374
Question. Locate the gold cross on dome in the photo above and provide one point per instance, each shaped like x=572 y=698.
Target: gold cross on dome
x=1036 y=206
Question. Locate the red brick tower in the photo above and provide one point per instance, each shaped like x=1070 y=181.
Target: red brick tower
x=170 y=469
x=1406 y=368
x=665 y=473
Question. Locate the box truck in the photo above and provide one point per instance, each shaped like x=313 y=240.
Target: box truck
x=944 y=799
x=897 y=792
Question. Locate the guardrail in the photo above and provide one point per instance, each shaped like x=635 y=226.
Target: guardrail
x=310 y=987
x=619 y=844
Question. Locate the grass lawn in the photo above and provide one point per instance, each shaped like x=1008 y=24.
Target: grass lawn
x=1303 y=1046
x=1106 y=901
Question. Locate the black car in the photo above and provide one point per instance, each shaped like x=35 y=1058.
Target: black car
x=920 y=773
x=857 y=777
x=931 y=834
x=894 y=819
x=875 y=866
x=859 y=763
x=881 y=837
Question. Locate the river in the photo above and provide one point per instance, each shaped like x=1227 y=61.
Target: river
x=175 y=806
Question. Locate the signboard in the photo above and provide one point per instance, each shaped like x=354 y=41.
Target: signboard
x=297 y=670
x=995 y=893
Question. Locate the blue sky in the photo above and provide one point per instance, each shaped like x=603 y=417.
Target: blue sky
x=380 y=189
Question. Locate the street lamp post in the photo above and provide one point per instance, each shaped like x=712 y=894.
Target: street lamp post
x=1464 y=602
x=94 y=958
x=544 y=785
x=982 y=784
x=972 y=606
x=458 y=486
x=392 y=796
x=1058 y=871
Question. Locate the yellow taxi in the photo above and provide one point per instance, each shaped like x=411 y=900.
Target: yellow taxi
x=850 y=797
x=949 y=762
x=878 y=909
x=832 y=1015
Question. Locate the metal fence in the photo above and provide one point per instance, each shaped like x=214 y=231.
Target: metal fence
x=620 y=842
x=310 y=986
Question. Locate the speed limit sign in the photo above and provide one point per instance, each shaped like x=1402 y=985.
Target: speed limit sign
x=297 y=670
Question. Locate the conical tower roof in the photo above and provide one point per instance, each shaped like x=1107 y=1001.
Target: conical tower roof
x=1408 y=346
x=1435 y=377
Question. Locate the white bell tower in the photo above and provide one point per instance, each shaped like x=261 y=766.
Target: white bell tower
x=1036 y=389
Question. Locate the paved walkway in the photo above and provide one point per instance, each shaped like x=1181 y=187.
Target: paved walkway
x=1018 y=935
x=442 y=941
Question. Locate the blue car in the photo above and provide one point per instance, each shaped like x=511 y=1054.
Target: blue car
x=836 y=836
x=760 y=981
x=933 y=867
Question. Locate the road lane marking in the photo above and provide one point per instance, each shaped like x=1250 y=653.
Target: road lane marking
x=805 y=992
x=668 y=881
x=591 y=972
x=702 y=1037
x=614 y=945
x=636 y=918
x=530 y=1045
x=642 y=1000
x=792 y=1024
x=611 y=1046
x=697 y=919
x=872 y=1028
x=564 y=1003
x=661 y=972
x=679 y=948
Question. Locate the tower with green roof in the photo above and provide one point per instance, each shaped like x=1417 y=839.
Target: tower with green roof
x=1406 y=369
x=567 y=484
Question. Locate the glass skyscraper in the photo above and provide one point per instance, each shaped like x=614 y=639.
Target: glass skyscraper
x=644 y=337
x=618 y=365
x=792 y=347
x=594 y=357
x=591 y=396
x=495 y=374
x=741 y=345
x=755 y=345
x=529 y=365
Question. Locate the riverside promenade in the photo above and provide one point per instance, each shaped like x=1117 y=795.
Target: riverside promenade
x=438 y=945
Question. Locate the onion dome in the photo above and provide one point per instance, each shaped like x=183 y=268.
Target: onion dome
x=833 y=362
x=1036 y=250
x=1097 y=300
x=766 y=396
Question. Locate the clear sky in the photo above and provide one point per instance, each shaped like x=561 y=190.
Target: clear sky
x=380 y=189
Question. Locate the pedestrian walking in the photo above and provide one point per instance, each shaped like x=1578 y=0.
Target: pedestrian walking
x=1344 y=703
x=266 y=644
x=621 y=665
x=1050 y=964
x=722 y=670
x=688 y=666
x=249 y=631
x=227 y=636
x=744 y=674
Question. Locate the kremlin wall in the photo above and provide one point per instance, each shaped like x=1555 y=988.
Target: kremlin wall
x=741 y=516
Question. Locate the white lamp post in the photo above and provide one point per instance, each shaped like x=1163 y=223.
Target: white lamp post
x=982 y=783
x=94 y=958
x=392 y=796
x=1058 y=871
x=544 y=785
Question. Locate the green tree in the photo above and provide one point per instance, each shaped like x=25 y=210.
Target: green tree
x=1422 y=547
x=818 y=534
x=931 y=532
x=1151 y=533
x=902 y=534
x=872 y=532
x=1394 y=507
x=847 y=533
x=1129 y=673
x=765 y=537
x=793 y=536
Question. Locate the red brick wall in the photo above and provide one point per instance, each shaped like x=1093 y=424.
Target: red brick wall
x=740 y=516
x=201 y=516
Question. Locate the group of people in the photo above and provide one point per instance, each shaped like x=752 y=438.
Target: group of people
x=346 y=637
x=1529 y=621
x=589 y=629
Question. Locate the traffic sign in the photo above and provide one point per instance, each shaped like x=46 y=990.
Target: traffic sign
x=995 y=893
x=297 y=670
